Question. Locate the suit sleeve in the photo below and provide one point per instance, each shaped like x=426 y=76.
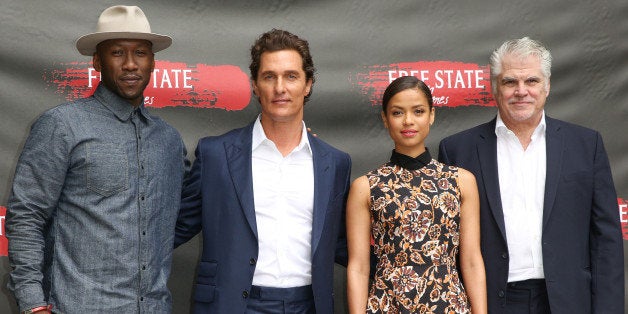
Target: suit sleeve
x=190 y=213
x=442 y=152
x=342 y=255
x=607 y=254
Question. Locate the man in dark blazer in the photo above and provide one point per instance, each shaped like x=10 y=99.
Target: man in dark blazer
x=269 y=198
x=551 y=236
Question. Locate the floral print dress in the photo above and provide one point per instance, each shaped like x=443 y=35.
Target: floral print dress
x=415 y=216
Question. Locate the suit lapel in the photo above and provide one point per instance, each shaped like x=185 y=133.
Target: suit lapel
x=239 y=163
x=554 y=162
x=323 y=181
x=487 y=154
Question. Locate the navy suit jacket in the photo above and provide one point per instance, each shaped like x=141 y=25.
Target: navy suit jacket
x=218 y=198
x=582 y=241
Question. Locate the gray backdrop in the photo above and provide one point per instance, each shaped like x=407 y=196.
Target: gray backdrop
x=349 y=39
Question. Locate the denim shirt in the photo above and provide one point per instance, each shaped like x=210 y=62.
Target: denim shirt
x=93 y=208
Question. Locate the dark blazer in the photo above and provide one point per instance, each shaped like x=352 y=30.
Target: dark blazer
x=582 y=240
x=218 y=198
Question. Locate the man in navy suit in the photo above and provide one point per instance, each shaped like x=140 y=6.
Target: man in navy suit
x=551 y=236
x=269 y=198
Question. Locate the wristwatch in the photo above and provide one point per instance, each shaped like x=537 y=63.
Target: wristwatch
x=37 y=309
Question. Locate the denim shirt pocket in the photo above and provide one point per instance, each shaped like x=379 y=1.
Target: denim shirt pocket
x=107 y=169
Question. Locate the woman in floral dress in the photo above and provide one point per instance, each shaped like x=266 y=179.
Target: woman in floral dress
x=421 y=218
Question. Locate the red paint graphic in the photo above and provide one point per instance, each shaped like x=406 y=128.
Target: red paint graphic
x=453 y=84
x=172 y=84
x=4 y=243
x=623 y=216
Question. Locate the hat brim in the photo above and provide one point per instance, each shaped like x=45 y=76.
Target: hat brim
x=86 y=44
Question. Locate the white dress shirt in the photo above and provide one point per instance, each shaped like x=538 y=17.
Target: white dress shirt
x=522 y=187
x=283 y=190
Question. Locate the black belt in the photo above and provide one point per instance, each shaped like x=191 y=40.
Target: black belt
x=282 y=294
x=527 y=284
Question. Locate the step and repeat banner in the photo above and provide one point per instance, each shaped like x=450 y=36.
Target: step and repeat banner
x=201 y=83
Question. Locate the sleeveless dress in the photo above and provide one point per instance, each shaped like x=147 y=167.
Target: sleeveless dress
x=415 y=217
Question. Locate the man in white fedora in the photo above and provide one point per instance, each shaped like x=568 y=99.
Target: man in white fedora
x=97 y=187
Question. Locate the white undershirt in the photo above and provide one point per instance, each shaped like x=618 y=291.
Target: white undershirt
x=283 y=190
x=522 y=188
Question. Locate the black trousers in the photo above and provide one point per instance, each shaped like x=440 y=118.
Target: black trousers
x=527 y=297
x=267 y=300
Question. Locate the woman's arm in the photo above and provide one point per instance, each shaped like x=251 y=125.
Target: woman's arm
x=471 y=262
x=359 y=244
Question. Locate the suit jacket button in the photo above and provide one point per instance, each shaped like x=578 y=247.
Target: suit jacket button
x=245 y=294
x=504 y=255
x=500 y=293
x=252 y=261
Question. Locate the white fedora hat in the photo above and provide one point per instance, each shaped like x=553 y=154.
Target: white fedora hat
x=121 y=22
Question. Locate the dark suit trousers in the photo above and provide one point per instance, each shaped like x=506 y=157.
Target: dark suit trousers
x=266 y=300
x=527 y=297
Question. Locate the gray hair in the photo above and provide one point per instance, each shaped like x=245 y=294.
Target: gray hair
x=522 y=47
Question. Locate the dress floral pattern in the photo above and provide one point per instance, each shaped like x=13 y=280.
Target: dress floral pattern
x=415 y=216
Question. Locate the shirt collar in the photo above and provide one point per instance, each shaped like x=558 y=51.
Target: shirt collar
x=501 y=128
x=411 y=163
x=259 y=136
x=121 y=108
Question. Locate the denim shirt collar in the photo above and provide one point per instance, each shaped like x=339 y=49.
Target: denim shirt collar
x=121 y=108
